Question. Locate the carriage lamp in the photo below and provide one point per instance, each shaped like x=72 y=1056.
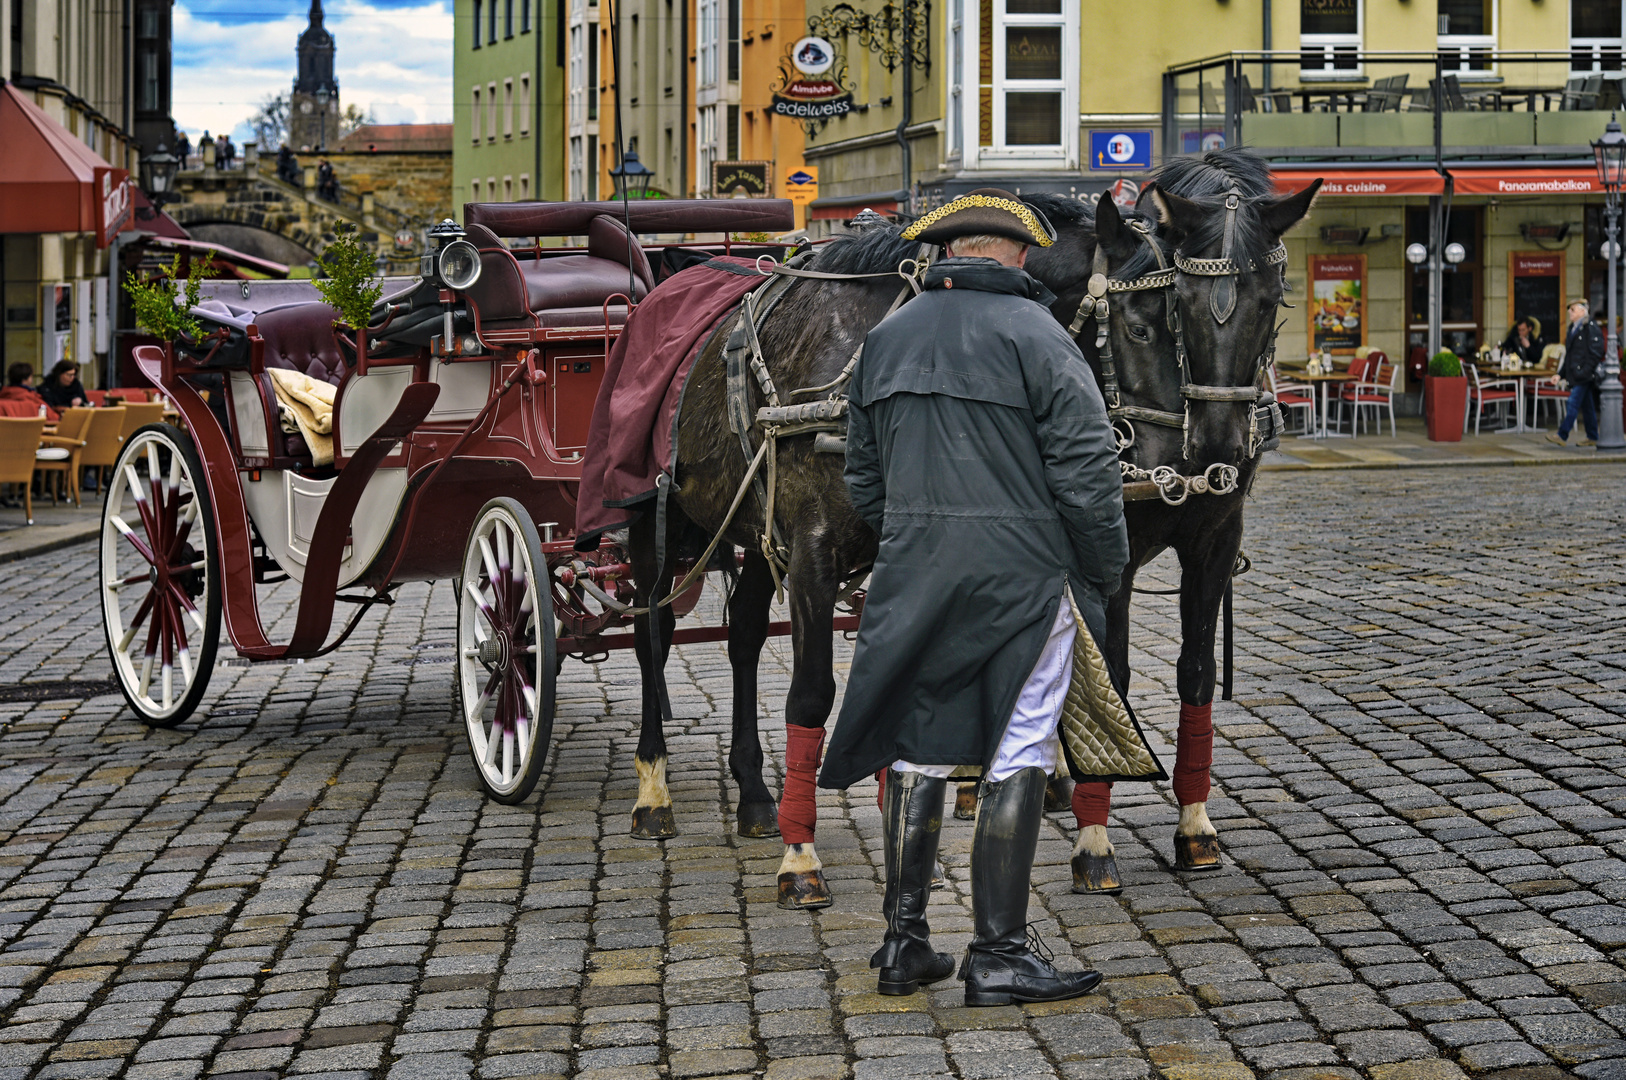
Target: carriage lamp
x=631 y=177
x=158 y=175
x=1455 y=253
x=458 y=264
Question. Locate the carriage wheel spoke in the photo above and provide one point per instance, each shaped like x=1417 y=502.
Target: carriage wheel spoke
x=129 y=534
x=185 y=604
x=136 y=620
x=480 y=603
x=185 y=658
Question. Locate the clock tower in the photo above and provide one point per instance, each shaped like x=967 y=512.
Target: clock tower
x=313 y=114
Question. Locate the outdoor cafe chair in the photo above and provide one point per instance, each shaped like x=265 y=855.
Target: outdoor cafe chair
x=103 y=441
x=1487 y=392
x=1385 y=94
x=1543 y=392
x=1293 y=396
x=19 y=456
x=1376 y=390
x=138 y=415
x=59 y=452
x=1360 y=370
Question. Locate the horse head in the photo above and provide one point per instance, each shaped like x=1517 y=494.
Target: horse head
x=1226 y=224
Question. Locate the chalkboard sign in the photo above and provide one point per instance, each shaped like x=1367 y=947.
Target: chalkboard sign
x=1536 y=289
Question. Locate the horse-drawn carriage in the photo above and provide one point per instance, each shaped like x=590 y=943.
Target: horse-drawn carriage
x=453 y=450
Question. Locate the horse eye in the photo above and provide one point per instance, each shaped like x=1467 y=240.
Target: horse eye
x=1140 y=333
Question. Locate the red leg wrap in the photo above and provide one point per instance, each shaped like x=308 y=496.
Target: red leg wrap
x=798 y=810
x=880 y=791
x=1193 y=753
x=1091 y=803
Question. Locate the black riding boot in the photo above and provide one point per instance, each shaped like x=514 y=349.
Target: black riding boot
x=912 y=815
x=1001 y=967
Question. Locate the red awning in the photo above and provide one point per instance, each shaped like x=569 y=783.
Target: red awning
x=1526 y=182
x=52 y=182
x=1343 y=182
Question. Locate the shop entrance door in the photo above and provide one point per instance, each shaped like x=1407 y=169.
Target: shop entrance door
x=1462 y=295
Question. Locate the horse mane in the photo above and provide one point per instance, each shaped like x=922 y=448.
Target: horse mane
x=1206 y=180
x=1064 y=211
x=873 y=250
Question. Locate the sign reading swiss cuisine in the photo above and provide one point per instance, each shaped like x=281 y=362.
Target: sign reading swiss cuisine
x=812 y=93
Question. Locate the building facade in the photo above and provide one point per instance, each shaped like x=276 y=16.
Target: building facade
x=313 y=108
x=509 y=122
x=68 y=114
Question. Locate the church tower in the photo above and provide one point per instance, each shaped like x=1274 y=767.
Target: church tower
x=313 y=115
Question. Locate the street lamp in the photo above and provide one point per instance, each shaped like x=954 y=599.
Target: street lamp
x=1609 y=153
x=631 y=177
x=158 y=176
x=321 y=99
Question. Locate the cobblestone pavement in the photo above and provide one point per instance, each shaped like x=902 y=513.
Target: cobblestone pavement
x=1420 y=788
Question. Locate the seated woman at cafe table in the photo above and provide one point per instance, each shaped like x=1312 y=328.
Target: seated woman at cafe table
x=18 y=377
x=62 y=388
x=1525 y=340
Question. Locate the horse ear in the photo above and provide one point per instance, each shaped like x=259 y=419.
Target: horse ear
x=1177 y=213
x=1279 y=215
x=1109 y=227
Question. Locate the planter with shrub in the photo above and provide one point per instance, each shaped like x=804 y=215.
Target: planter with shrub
x=1445 y=397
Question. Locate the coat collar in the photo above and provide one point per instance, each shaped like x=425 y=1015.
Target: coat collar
x=986 y=275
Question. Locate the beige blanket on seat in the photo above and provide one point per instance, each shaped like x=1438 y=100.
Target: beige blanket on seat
x=306 y=408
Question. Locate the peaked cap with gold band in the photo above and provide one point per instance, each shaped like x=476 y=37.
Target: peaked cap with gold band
x=984 y=212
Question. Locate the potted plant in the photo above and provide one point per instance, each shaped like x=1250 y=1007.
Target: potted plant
x=1445 y=397
x=161 y=307
x=348 y=284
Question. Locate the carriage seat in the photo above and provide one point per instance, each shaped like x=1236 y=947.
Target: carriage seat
x=299 y=337
x=510 y=290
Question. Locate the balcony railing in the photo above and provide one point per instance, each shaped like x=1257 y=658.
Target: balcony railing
x=1346 y=104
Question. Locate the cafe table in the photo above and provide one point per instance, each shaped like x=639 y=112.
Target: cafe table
x=1522 y=376
x=1326 y=382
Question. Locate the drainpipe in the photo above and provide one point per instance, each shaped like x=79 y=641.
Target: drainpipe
x=536 y=97
x=683 y=105
x=129 y=75
x=1264 y=39
x=908 y=103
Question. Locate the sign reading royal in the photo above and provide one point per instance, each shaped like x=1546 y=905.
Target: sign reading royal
x=811 y=93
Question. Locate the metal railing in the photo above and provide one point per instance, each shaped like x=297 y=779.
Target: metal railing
x=1347 y=104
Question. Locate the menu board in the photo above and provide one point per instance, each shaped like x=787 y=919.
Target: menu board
x=1337 y=302
x=1536 y=288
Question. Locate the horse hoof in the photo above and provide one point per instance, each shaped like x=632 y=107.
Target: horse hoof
x=1196 y=853
x=653 y=823
x=1058 y=794
x=804 y=891
x=1096 y=875
x=758 y=819
x=965 y=804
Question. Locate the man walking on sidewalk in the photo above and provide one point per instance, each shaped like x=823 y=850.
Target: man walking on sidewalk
x=978 y=448
x=1583 y=357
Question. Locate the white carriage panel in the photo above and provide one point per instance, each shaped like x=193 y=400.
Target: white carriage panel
x=305 y=498
x=277 y=496
x=249 y=415
x=367 y=401
x=464 y=389
x=375 y=515
x=267 y=503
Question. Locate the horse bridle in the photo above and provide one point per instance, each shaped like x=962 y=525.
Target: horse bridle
x=1222 y=304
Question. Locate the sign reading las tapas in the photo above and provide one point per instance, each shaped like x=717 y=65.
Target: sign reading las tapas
x=811 y=94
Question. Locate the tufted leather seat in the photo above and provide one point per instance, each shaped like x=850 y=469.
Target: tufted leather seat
x=512 y=290
x=299 y=337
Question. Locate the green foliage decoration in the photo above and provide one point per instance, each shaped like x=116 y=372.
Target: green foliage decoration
x=1445 y=364
x=349 y=284
x=153 y=301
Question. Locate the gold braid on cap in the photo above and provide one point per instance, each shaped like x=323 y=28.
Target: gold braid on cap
x=1041 y=237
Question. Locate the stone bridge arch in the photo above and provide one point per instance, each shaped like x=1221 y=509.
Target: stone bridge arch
x=254 y=230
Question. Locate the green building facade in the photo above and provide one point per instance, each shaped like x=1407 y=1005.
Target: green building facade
x=508 y=73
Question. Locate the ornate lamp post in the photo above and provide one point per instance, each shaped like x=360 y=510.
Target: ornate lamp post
x=158 y=176
x=631 y=177
x=1610 y=155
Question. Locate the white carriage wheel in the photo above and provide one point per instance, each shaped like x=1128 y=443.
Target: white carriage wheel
x=505 y=650
x=160 y=576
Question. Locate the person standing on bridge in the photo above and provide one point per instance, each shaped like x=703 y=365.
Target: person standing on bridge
x=978 y=448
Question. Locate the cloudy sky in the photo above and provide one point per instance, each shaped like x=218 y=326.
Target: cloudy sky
x=394 y=57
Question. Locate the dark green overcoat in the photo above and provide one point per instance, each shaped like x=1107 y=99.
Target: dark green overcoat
x=978 y=448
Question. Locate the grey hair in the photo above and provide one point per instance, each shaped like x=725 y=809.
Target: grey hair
x=979 y=242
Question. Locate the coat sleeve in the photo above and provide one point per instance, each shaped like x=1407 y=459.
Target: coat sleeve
x=1080 y=457
x=866 y=484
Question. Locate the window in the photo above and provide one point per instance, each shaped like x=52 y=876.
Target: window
x=956 y=46
x=1329 y=35
x=707 y=75
x=1467 y=34
x=733 y=141
x=705 y=147
x=491 y=23
x=733 y=40
x=1595 y=35
x=525 y=16
x=474 y=190
x=578 y=168
x=508 y=108
x=524 y=187
x=508 y=18
x=525 y=103
x=1461 y=300
x=592 y=84
x=1028 y=60
x=580 y=91
x=491 y=111
x=508 y=189
x=592 y=167
x=150 y=68
x=474 y=117
x=477 y=23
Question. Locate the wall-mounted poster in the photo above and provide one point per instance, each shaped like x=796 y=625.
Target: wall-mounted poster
x=1536 y=290
x=1337 y=302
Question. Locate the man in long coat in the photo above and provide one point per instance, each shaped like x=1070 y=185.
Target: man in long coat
x=978 y=448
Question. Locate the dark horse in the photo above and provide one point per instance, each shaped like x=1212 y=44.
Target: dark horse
x=807 y=340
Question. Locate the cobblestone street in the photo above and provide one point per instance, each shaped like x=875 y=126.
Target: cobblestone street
x=1420 y=788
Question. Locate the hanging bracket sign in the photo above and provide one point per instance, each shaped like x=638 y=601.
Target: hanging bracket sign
x=810 y=91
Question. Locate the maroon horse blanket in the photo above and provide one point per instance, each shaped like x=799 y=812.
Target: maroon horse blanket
x=630 y=440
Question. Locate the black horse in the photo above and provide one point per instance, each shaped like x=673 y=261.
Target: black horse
x=807 y=340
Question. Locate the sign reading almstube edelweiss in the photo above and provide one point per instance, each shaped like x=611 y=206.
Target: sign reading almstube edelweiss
x=812 y=92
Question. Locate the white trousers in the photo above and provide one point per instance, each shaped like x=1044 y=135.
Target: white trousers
x=1030 y=739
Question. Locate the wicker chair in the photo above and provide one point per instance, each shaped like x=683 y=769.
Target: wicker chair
x=19 y=449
